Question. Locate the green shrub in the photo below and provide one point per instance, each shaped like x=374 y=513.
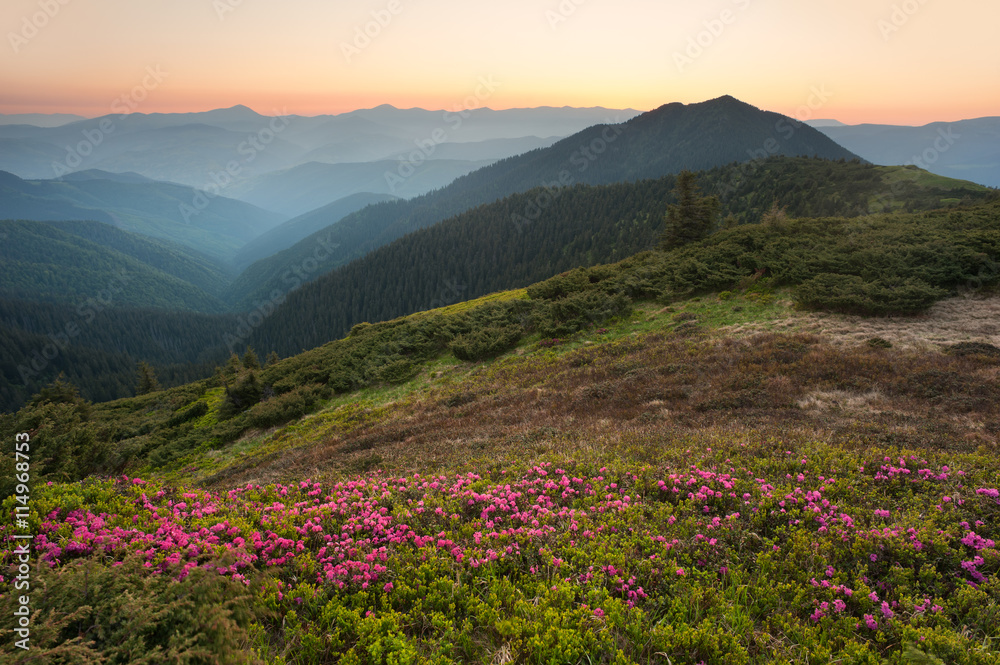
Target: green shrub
x=980 y=349
x=283 y=408
x=196 y=410
x=486 y=342
x=560 y=286
x=91 y=612
x=244 y=393
x=579 y=311
x=851 y=294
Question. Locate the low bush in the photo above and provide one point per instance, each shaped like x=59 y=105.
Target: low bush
x=284 y=408
x=196 y=410
x=851 y=294
x=579 y=311
x=88 y=611
x=486 y=342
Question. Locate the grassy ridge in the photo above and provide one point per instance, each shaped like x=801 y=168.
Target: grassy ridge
x=616 y=477
x=898 y=264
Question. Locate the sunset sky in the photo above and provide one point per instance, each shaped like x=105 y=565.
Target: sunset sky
x=889 y=61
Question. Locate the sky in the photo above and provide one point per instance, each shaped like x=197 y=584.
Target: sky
x=883 y=61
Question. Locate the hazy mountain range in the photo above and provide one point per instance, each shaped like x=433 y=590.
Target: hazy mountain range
x=195 y=148
x=216 y=226
x=652 y=145
x=966 y=149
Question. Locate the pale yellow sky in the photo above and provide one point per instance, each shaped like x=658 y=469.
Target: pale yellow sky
x=894 y=61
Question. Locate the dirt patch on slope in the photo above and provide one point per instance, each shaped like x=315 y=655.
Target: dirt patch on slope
x=961 y=319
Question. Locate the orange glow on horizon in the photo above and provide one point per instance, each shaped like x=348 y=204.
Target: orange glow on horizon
x=312 y=57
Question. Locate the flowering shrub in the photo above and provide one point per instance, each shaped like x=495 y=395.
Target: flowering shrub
x=748 y=558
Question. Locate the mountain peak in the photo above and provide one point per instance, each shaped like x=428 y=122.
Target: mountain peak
x=727 y=102
x=240 y=110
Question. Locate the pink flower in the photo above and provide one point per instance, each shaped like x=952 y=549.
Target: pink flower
x=680 y=572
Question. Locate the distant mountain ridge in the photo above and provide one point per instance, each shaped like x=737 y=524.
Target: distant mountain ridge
x=306 y=187
x=664 y=141
x=966 y=149
x=39 y=119
x=215 y=226
x=287 y=234
x=189 y=148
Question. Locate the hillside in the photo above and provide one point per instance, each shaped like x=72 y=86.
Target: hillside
x=495 y=247
x=288 y=233
x=57 y=263
x=964 y=149
x=99 y=348
x=216 y=226
x=651 y=145
x=879 y=265
x=306 y=187
x=618 y=228
x=621 y=464
x=173 y=259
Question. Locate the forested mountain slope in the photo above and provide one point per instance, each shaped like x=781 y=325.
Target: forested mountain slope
x=652 y=145
x=505 y=245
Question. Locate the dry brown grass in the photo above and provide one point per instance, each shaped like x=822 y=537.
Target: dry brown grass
x=644 y=392
x=968 y=318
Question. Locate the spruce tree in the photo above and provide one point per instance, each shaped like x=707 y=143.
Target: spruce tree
x=692 y=218
x=250 y=360
x=147 y=382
